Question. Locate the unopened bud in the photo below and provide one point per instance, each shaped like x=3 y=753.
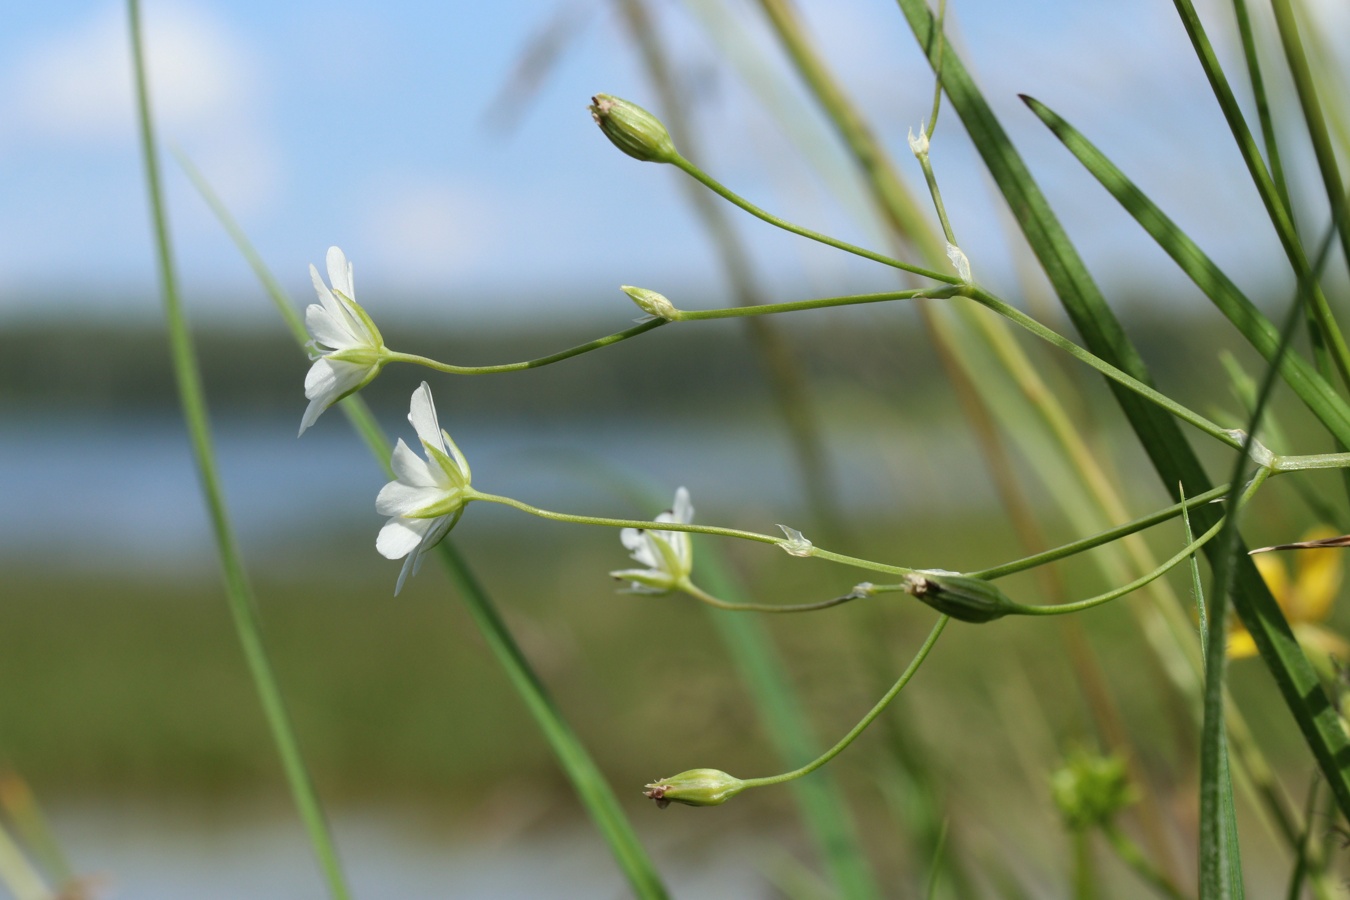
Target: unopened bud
x=959 y=596
x=697 y=787
x=1090 y=789
x=632 y=129
x=652 y=303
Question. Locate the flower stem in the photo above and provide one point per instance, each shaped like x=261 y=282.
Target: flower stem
x=707 y=181
x=699 y=594
x=395 y=356
x=765 y=309
x=1096 y=540
x=683 y=526
x=1183 y=554
x=1132 y=856
x=984 y=298
x=193 y=400
x=866 y=720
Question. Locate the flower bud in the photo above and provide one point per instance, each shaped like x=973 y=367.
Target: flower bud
x=632 y=129
x=1090 y=789
x=959 y=262
x=697 y=787
x=796 y=543
x=959 y=596
x=652 y=303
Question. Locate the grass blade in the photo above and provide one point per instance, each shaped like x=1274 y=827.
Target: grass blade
x=592 y=789
x=1319 y=396
x=1160 y=435
x=240 y=594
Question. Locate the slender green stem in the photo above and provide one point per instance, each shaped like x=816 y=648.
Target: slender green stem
x=699 y=594
x=866 y=720
x=706 y=180
x=689 y=527
x=1097 y=540
x=1015 y=315
x=1192 y=547
x=626 y=523
x=193 y=399
x=1132 y=856
x=936 y=194
x=648 y=325
x=766 y=309
x=1315 y=461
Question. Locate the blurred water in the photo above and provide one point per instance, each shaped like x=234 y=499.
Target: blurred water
x=97 y=492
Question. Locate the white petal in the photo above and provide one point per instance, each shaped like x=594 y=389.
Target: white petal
x=643 y=551
x=399 y=499
x=328 y=330
x=399 y=536
x=409 y=566
x=422 y=415
x=324 y=294
x=340 y=273
x=410 y=468
x=333 y=377
x=683 y=509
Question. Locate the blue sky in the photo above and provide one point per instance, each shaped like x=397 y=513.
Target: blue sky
x=366 y=125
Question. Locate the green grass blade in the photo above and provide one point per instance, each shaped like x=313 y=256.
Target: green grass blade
x=1278 y=212
x=238 y=590
x=1160 y=435
x=595 y=794
x=823 y=808
x=1319 y=396
x=1318 y=132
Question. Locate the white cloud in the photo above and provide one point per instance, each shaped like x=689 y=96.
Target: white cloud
x=423 y=230
x=74 y=88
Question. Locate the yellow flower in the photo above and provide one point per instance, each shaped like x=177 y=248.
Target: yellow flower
x=1306 y=600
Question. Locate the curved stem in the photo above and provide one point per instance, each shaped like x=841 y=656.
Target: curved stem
x=395 y=356
x=707 y=181
x=984 y=298
x=703 y=596
x=1096 y=540
x=625 y=523
x=1192 y=547
x=866 y=720
x=765 y=309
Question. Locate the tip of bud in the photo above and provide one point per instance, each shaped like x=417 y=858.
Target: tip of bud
x=652 y=303
x=632 y=129
x=696 y=787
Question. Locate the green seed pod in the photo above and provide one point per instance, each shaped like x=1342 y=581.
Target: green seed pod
x=961 y=597
x=697 y=787
x=632 y=129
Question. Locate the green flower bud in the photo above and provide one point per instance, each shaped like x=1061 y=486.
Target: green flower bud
x=652 y=303
x=1089 y=789
x=697 y=787
x=958 y=596
x=632 y=129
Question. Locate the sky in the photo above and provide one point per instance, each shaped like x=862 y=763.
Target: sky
x=386 y=129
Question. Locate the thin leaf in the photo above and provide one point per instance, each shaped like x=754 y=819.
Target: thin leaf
x=1260 y=332
x=192 y=397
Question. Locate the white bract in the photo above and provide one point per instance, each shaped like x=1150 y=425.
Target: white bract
x=668 y=555
x=350 y=350
x=427 y=496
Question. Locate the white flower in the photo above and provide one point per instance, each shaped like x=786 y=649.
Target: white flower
x=428 y=496
x=350 y=348
x=919 y=145
x=668 y=555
